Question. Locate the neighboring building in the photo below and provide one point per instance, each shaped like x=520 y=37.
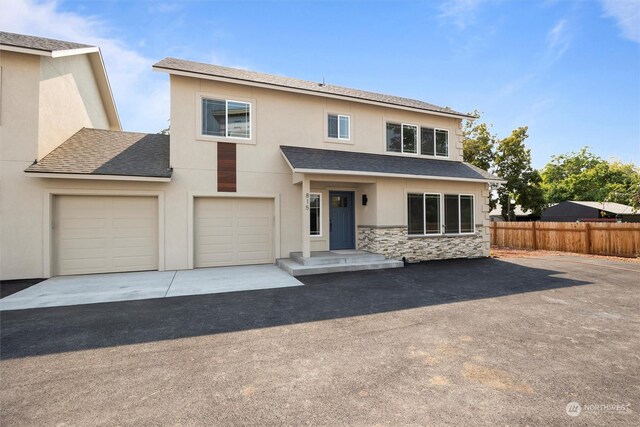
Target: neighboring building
x=519 y=215
x=257 y=166
x=572 y=211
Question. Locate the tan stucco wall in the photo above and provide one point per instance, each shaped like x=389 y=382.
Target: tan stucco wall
x=69 y=100
x=280 y=119
x=43 y=102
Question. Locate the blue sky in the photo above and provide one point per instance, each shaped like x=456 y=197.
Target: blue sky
x=570 y=70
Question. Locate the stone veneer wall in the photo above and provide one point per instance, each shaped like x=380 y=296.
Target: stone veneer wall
x=394 y=243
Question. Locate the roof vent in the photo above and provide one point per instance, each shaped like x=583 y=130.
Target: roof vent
x=322 y=84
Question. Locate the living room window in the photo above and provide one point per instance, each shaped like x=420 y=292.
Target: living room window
x=428 y=215
x=315 y=214
x=338 y=126
x=402 y=138
x=226 y=118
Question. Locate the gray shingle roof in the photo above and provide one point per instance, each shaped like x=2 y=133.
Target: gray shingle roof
x=37 y=43
x=270 y=79
x=108 y=152
x=346 y=161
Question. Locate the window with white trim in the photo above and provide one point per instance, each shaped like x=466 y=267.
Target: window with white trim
x=339 y=126
x=402 y=138
x=226 y=118
x=428 y=215
x=315 y=214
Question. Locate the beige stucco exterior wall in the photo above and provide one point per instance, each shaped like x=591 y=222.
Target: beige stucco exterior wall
x=279 y=119
x=43 y=101
x=69 y=100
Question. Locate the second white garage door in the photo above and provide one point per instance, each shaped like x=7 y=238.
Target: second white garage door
x=233 y=231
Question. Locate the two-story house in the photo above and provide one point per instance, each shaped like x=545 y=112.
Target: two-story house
x=259 y=167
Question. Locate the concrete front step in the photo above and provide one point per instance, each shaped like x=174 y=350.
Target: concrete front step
x=296 y=269
x=336 y=257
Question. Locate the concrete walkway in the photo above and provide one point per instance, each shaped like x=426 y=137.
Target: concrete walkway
x=97 y=288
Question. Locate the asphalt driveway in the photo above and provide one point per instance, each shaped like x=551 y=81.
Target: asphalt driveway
x=468 y=342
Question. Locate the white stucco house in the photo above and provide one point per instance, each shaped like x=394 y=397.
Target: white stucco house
x=257 y=167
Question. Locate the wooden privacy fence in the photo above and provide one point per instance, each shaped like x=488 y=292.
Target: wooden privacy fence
x=590 y=238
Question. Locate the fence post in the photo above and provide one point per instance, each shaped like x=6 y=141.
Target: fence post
x=494 y=230
x=535 y=236
x=587 y=238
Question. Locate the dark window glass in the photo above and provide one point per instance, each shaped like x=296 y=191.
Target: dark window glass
x=409 y=139
x=442 y=143
x=432 y=204
x=394 y=136
x=415 y=209
x=344 y=127
x=314 y=213
x=333 y=126
x=213 y=117
x=427 y=141
x=451 y=214
x=466 y=214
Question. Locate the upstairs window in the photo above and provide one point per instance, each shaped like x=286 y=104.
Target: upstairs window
x=338 y=126
x=402 y=138
x=434 y=142
x=228 y=119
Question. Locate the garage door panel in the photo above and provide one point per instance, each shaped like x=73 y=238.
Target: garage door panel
x=233 y=231
x=103 y=234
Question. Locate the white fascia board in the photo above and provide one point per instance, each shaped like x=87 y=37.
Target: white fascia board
x=102 y=78
x=71 y=52
x=389 y=175
x=306 y=92
x=96 y=177
x=25 y=50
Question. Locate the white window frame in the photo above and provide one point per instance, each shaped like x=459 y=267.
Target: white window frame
x=338 y=116
x=402 y=125
x=319 y=211
x=441 y=214
x=435 y=152
x=202 y=96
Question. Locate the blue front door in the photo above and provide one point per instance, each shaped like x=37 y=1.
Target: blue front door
x=342 y=225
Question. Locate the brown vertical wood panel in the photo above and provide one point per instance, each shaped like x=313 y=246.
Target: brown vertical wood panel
x=226 y=167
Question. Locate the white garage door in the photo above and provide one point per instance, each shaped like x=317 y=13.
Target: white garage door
x=95 y=234
x=233 y=231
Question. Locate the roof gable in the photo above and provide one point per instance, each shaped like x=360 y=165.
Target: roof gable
x=42 y=45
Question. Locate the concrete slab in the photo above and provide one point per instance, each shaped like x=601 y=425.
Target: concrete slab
x=101 y=288
x=229 y=279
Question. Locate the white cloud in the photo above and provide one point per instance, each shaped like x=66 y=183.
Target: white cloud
x=558 y=40
x=626 y=13
x=461 y=12
x=141 y=95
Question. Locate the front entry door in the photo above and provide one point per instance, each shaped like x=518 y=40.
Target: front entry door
x=342 y=225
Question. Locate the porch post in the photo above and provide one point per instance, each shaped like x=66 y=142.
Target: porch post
x=306 y=221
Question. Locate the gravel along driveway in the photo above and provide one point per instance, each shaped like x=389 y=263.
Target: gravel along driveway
x=464 y=342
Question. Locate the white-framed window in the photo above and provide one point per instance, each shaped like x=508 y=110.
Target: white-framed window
x=226 y=118
x=315 y=214
x=339 y=126
x=434 y=142
x=402 y=138
x=429 y=213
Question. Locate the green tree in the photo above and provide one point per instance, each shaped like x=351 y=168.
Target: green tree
x=513 y=164
x=478 y=144
x=584 y=176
